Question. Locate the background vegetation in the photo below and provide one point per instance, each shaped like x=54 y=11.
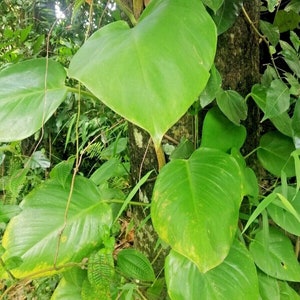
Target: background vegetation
x=225 y=205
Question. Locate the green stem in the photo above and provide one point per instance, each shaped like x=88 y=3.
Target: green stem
x=160 y=157
x=127 y=11
x=130 y=203
x=82 y=93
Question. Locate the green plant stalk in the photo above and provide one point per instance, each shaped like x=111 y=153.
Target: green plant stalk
x=83 y=93
x=127 y=11
x=161 y=160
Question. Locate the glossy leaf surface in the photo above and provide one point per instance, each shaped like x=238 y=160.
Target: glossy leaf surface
x=30 y=93
x=235 y=278
x=152 y=73
x=195 y=206
x=33 y=234
x=275 y=255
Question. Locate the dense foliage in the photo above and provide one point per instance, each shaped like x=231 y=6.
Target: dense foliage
x=65 y=193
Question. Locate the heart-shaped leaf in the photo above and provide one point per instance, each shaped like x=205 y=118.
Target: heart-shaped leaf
x=275 y=256
x=235 y=278
x=274 y=153
x=219 y=133
x=152 y=73
x=195 y=206
x=33 y=234
x=277 y=99
x=233 y=105
x=30 y=93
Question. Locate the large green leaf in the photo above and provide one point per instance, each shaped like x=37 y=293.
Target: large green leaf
x=195 y=206
x=275 y=255
x=152 y=73
x=235 y=278
x=274 y=153
x=33 y=234
x=219 y=133
x=273 y=289
x=30 y=93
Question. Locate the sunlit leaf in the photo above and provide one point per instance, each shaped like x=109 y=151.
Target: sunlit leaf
x=30 y=93
x=235 y=278
x=195 y=206
x=142 y=72
x=33 y=234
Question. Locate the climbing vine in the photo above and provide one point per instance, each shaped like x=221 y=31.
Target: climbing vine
x=71 y=223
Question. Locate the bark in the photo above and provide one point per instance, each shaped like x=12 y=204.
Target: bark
x=238 y=62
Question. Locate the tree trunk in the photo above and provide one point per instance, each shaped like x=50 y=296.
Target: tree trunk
x=238 y=62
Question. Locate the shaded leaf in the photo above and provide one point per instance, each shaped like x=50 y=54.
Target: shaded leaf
x=212 y=88
x=277 y=99
x=227 y=14
x=270 y=31
x=156 y=65
x=275 y=256
x=30 y=93
x=219 y=133
x=37 y=160
x=235 y=278
x=291 y=57
x=70 y=285
x=233 y=105
x=286 y=20
x=134 y=264
x=213 y=4
x=195 y=206
x=274 y=153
